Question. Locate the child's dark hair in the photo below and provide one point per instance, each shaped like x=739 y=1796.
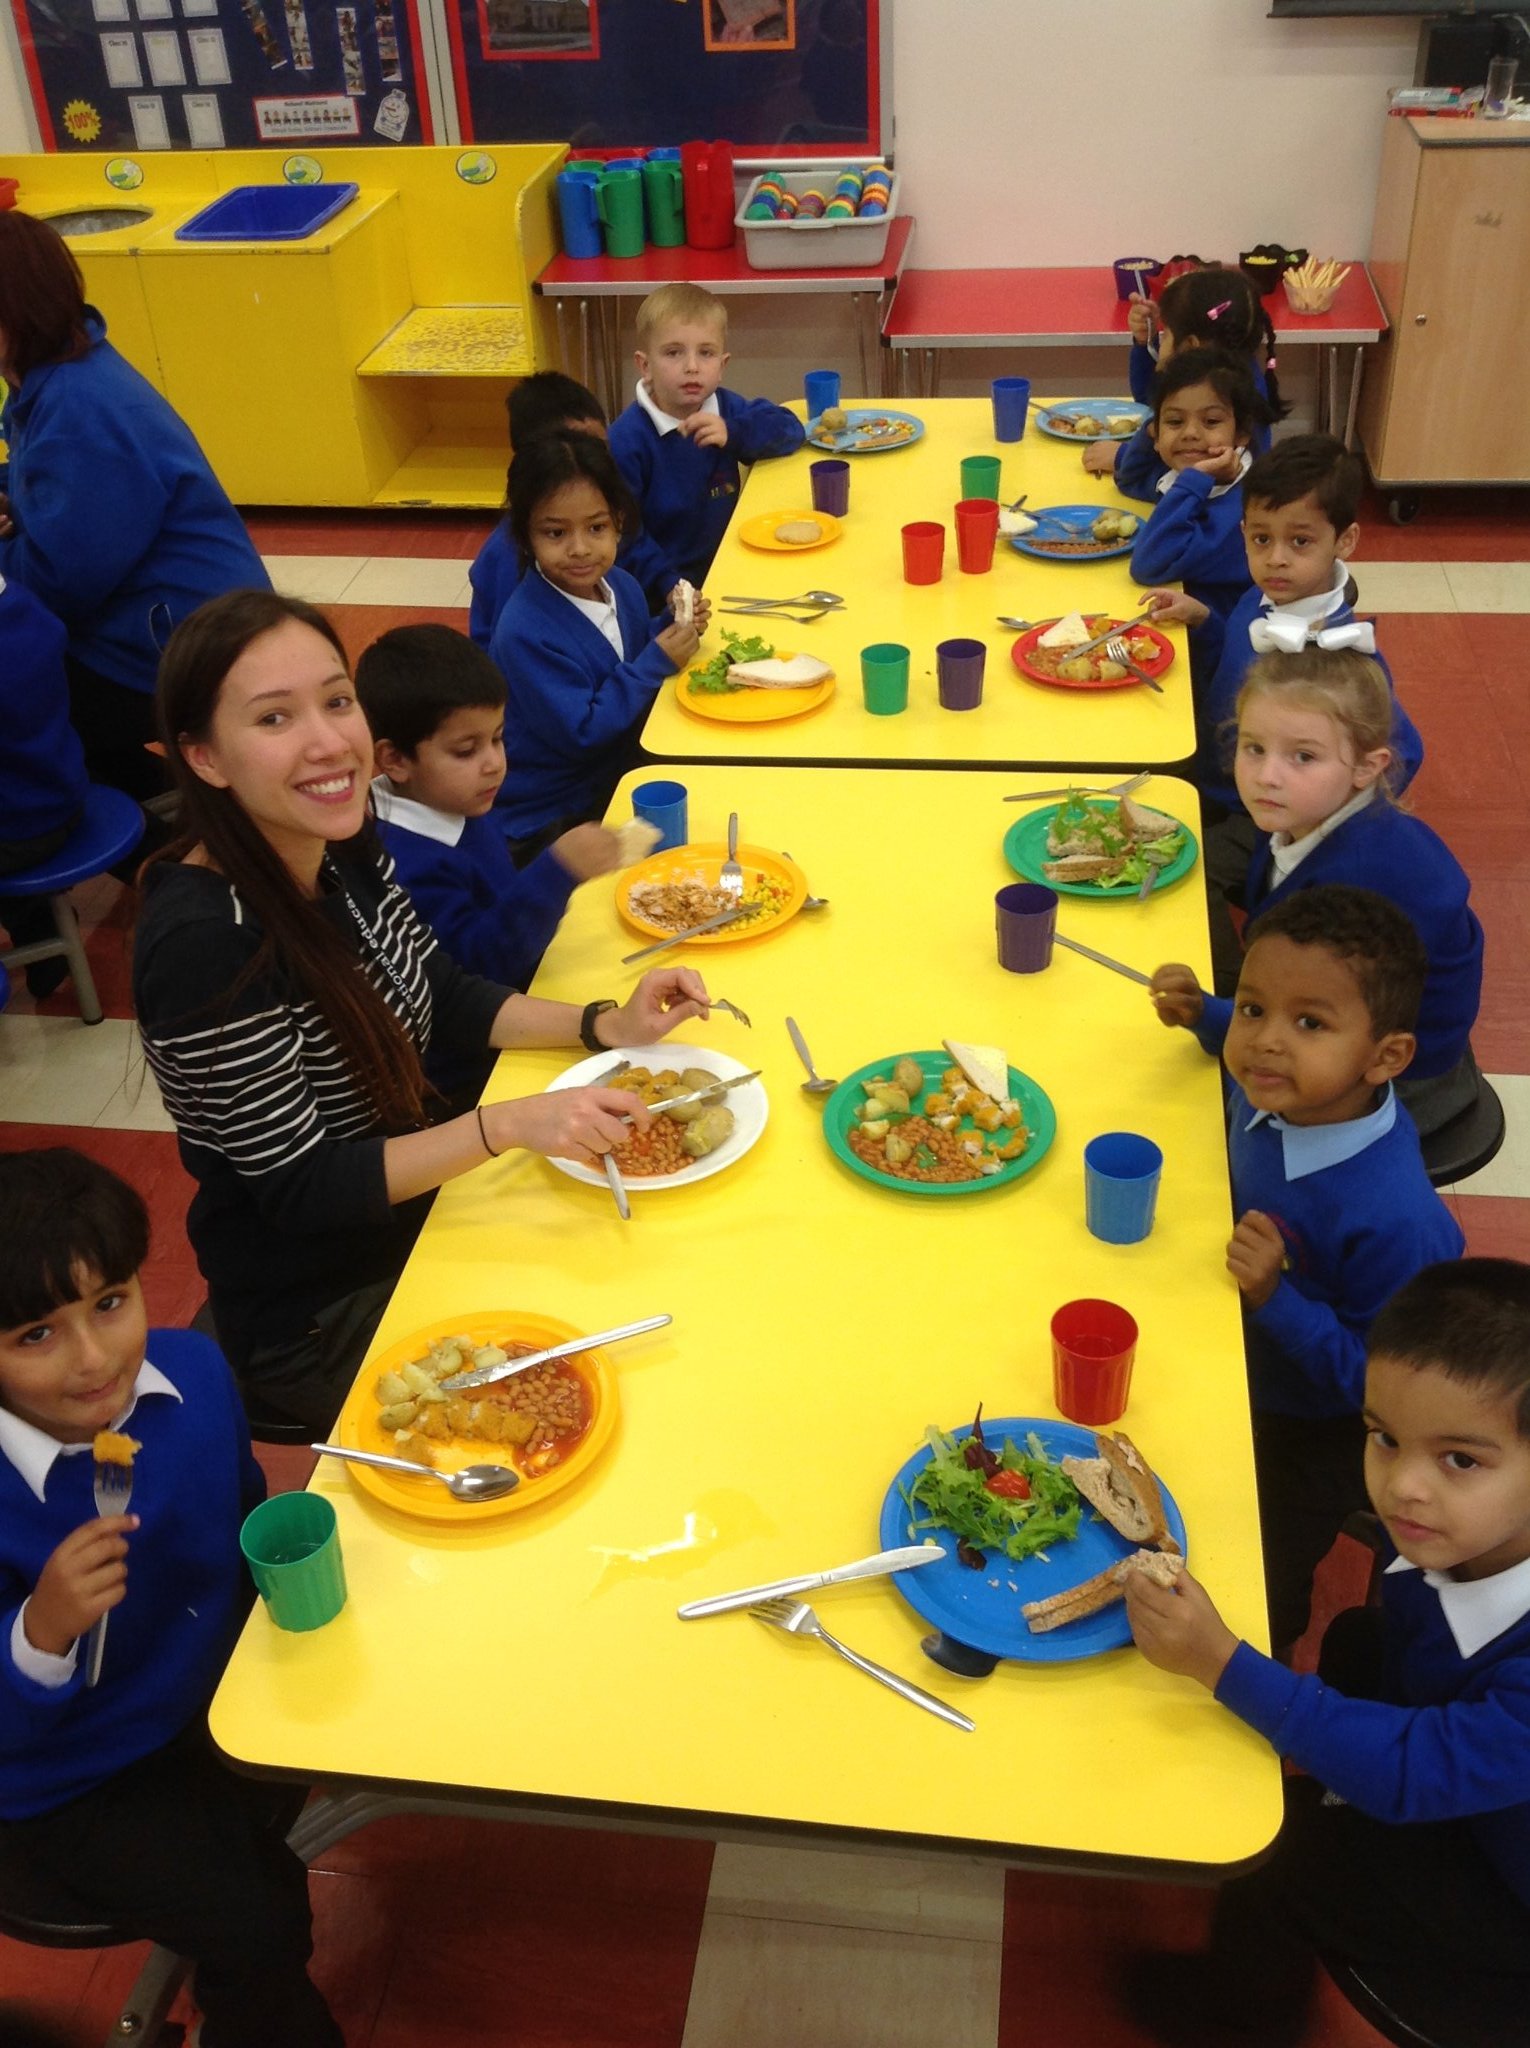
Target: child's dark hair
x=1215 y=308
x=1228 y=377
x=1373 y=938
x=546 y=464
x=1469 y=1319
x=1308 y=465
x=549 y=400
x=412 y=679
x=63 y=1216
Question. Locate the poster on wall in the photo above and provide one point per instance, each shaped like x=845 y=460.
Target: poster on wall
x=105 y=75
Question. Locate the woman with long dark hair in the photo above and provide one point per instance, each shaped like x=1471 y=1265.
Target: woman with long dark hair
x=286 y=992
x=109 y=512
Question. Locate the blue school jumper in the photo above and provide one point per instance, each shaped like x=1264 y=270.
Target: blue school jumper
x=1217 y=701
x=194 y=1481
x=1397 y=855
x=687 y=494
x=496 y=571
x=493 y=918
x=1359 y=1219
x=42 y=764
x=1455 y=1745
x=1194 y=536
x=574 y=705
x=121 y=527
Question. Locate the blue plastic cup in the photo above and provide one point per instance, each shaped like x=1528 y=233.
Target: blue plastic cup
x=1121 y=1176
x=579 y=213
x=663 y=804
x=1011 y=402
x=821 y=390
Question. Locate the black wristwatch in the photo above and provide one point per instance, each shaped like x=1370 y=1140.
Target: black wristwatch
x=587 y=1018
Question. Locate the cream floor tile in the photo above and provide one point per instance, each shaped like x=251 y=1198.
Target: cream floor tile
x=56 y=1070
x=407 y=579
x=933 y=1895
x=321 y=579
x=761 y=1983
x=136 y=1106
x=1405 y=587
x=1509 y=1173
x=1490 y=586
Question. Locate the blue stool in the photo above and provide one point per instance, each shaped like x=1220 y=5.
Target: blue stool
x=5 y=987
x=110 y=828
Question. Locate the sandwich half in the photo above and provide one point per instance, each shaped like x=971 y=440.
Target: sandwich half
x=1119 y=1483
x=1103 y=1590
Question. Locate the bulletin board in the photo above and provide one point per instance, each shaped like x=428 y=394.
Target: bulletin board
x=138 y=75
x=777 y=78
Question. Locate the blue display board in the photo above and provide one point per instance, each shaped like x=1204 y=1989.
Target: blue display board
x=776 y=77
x=137 y=75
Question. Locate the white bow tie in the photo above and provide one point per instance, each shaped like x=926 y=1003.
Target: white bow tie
x=1271 y=634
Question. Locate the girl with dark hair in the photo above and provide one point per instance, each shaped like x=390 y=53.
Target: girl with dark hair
x=287 y=992
x=109 y=513
x=581 y=658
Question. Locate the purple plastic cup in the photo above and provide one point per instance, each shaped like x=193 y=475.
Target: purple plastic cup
x=1135 y=274
x=1026 y=916
x=959 y=674
x=831 y=486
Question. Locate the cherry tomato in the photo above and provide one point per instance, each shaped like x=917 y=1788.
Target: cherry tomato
x=1008 y=1485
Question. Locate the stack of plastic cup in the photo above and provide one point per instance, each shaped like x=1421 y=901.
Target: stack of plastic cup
x=760 y=209
x=812 y=205
x=839 y=208
x=768 y=194
x=848 y=189
x=788 y=206
x=876 y=190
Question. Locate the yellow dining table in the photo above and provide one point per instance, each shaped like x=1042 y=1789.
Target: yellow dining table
x=1019 y=722
x=534 y=1663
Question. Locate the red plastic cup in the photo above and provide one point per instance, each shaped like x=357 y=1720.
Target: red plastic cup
x=924 y=551
x=977 y=528
x=1093 y=1346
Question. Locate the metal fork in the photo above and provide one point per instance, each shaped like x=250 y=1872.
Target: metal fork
x=733 y=1010
x=114 y=1489
x=1116 y=649
x=798 y=1619
x=731 y=878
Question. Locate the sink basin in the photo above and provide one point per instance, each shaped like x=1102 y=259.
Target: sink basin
x=98 y=220
x=267 y=213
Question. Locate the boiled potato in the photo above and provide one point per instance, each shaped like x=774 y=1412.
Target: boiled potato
x=397 y=1415
x=909 y=1076
x=391 y=1387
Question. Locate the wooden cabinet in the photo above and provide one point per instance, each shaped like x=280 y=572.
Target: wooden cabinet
x=1448 y=399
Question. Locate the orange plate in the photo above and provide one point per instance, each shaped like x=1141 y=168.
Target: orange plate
x=1020 y=655
x=752 y=707
x=358 y=1427
x=685 y=862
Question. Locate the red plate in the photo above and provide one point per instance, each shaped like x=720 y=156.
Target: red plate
x=1020 y=654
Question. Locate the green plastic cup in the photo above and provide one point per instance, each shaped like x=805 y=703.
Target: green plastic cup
x=884 y=678
x=292 y=1547
x=980 y=476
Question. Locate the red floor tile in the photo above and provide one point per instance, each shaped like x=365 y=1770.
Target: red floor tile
x=1467 y=758
x=1425 y=644
x=52 y=1981
x=1496 y=1226
x=446 y=536
x=1452 y=526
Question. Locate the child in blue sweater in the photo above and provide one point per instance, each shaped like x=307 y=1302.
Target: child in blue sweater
x=580 y=656
x=1313 y=766
x=1205 y=410
x=42 y=765
x=679 y=444
x=113 y=1804
x=1206 y=308
x=436 y=707
x=1334 y=1209
x=550 y=403
x=1406 y=1848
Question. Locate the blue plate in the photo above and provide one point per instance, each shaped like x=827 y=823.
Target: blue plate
x=1072 y=523
x=982 y=1608
x=860 y=437
x=1096 y=409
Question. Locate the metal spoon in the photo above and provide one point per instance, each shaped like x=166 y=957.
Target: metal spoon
x=814 y=1085
x=1015 y=625
x=809 y=902
x=473 y=1482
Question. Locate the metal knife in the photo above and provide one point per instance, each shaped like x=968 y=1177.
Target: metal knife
x=1127 y=788
x=694 y=931
x=485 y=1375
x=618 y=1187
x=1103 y=960
x=876 y=1567
x=701 y=1094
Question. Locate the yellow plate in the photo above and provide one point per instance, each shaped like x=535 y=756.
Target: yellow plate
x=760 y=532
x=359 y=1430
x=751 y=707
x=686 y=862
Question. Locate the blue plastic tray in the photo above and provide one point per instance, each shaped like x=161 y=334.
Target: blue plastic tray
x=267 y=213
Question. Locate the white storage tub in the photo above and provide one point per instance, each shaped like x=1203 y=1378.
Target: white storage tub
x=814 y=244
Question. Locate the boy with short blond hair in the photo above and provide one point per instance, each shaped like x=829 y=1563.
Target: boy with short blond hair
x=681 y=441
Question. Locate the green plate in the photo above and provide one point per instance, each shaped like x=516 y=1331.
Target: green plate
x=1025 y=848
x=1035 y=1107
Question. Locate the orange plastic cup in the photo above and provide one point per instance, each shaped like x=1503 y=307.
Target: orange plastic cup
x=924 y=551
x=977 y=529
x=1093 y=1346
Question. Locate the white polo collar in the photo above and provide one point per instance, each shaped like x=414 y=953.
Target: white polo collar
x=1323 y=606
x=394 y=808
x=1477 y=1610
x=1308 y=1148
x=665 y=422
x=32 y=1451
